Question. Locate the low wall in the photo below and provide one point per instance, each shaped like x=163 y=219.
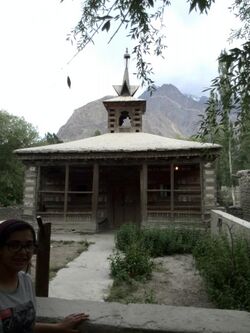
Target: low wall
x=244 y=182
x=10 y=213
x=120 y=318
x=222 y=222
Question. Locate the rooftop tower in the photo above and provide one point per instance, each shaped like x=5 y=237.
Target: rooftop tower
x=124 y=111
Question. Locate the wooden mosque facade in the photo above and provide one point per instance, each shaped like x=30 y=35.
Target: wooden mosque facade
x=124 y=176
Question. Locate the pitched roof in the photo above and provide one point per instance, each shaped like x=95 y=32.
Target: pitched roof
x=119 y=142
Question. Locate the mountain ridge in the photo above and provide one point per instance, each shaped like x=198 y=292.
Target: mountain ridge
x=169 y=113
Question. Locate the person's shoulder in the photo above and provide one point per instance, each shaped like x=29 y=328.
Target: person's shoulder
x=24 y=277
x=26 y=288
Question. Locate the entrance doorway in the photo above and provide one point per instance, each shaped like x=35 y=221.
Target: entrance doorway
x=123 y=189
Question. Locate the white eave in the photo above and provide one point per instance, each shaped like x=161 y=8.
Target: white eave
x=120 y=142
x=124 y=99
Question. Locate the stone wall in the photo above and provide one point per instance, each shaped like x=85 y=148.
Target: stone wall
x=209 y=190
x=10 y=213
x=29 y=196
x=244 y=183
x=120 y=318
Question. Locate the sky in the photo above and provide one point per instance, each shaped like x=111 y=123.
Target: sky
x=36 y=58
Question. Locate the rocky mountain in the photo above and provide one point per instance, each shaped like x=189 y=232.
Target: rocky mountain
x=169 y=113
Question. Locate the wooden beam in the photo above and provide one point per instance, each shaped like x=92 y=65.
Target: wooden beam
x=144 y=194
x=95 y=189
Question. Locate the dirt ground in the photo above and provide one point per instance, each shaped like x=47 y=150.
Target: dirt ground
x=61 y=253
x=175 y=281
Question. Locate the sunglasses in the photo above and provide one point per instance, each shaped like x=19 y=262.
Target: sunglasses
x=16 y=246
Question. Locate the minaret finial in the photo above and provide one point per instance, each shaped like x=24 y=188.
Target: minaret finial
x=125 y=89
x=126 y=57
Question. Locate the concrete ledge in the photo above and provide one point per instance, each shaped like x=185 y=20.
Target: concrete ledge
x=221 y=221
x=115 y=317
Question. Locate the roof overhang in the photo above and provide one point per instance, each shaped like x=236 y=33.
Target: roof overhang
x=125 y=102
x=133 y=146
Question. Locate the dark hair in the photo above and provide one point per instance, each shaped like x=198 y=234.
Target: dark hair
x=9 y=226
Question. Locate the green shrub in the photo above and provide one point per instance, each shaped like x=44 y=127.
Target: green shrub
x=134 y=263
x=225 y=266
x=170 y=241
x=127 y=235
x=158 y=242
x=224 y=263
x=118 y=266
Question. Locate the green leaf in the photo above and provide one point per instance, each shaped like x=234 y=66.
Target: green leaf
x=106 y=26
x=105 y=17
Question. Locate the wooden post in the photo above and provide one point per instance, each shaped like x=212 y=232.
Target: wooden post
x=38 y=188
x=43 y=258
x=202 y=194
x=172 y=192
x=95 y=190
x=144 y=193
x=66 y=188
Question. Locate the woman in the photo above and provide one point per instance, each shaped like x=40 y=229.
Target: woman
x=17 y=299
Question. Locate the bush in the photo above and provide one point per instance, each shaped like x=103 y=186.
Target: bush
x=225 y=266
x=135 y=247
x=135 y=263
x=158 y=242
x=127 y=235
x=224 y=263
x=171 y=240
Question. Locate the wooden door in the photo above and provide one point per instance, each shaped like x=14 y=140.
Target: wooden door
x=125 y=197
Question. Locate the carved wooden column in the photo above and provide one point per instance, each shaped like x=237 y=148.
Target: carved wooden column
x=66 y=188
x=202 y=195
x=95 y=190
x=144 y=193
x=172 y=192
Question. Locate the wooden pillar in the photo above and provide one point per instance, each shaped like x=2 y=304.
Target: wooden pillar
x=95 y=191
x=144 y=193
x=38 y=188
x=43 y=258
x=172 y=191
x=202 y=190
x=66 y=188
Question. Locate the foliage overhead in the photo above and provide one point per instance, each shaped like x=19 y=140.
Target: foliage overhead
x=15 y=133
x=49 y=139
x=230 y=91
x=142 y=21
x=227 y=116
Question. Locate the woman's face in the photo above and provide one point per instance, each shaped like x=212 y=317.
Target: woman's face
x=16 y=254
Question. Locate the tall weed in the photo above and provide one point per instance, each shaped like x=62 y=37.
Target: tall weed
x=134 y=263
x=225 y=265
x=127 y=235
x=159 y=242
